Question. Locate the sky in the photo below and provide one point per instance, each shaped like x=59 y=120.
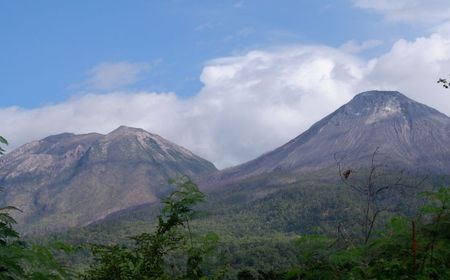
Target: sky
x=228 y=80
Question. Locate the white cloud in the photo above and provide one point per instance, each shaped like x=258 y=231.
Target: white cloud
x=414 y=67
x=115 y=75
x=251 y=103
x=88 y=113
x=422 y=11
x=257 y=101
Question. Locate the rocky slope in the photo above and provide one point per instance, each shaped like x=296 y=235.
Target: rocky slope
x=70 y=180
x=409 y=134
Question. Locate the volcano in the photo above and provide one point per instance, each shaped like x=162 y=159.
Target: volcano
x=408 y=134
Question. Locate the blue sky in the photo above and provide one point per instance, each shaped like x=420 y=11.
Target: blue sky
x=48 y=47
x=228 y=80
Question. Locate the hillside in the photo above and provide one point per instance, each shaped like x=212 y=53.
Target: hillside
x=72 y=180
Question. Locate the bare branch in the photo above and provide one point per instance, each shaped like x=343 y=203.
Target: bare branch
x=372 y=189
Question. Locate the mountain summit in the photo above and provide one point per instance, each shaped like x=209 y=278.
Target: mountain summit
x=69 y=180
x=408 y=133
x=379 y=105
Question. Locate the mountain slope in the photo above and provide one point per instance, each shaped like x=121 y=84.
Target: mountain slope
x=69 y=180
x=409 y=134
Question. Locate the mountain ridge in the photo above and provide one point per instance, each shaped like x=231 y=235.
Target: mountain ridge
x=68 y=180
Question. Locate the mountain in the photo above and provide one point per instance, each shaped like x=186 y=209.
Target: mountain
x=409 y=134
x=71 y=180
x=260 y=207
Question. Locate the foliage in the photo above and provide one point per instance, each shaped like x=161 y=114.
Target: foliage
x=2 y=141
x=403 y=251
x=150 y=257
x=258 y=232
x=255 y=250
x=19 y=260
x=373 y=187
x=445 y=83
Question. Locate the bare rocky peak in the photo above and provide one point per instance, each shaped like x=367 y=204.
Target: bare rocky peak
x=374 y=106
x=126 y=131
x=146 y=139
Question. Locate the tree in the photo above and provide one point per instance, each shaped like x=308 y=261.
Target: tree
x=10 y=245
x=373 y=185
x=19 y=260
x=148 y=258
x=409 y=248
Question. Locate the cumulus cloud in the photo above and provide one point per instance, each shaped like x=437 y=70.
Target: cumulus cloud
x=115 y=75
x=414 y=67
x=249 y=104
x=255 y=102
x=429 y=11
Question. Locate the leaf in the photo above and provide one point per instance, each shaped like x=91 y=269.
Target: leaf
x=10 y=208
x=3 y=140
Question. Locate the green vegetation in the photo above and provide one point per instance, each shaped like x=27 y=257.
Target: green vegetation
x=158 y=255
x=2 y=141
x=19 y=260
x=252 y=249
x=417 y=248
